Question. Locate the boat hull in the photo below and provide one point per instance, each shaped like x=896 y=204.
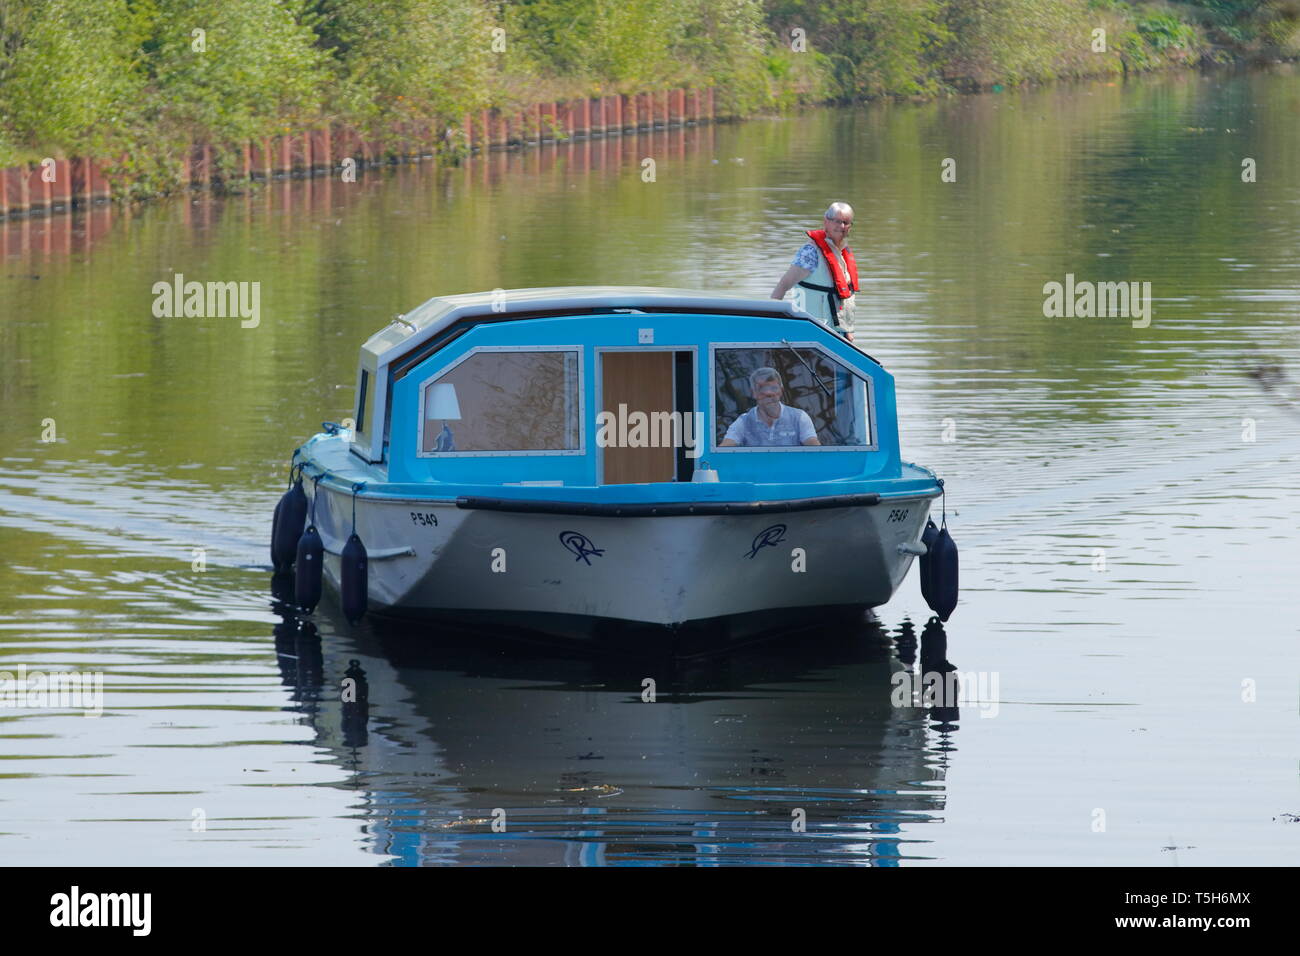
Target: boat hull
x=437 y=558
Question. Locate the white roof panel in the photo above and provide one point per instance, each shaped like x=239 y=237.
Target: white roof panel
x=428 y=319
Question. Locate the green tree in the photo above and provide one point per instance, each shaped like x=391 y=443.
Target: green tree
x=231 y=70
x=403 y=63
x=871 y=47
x=66 y=72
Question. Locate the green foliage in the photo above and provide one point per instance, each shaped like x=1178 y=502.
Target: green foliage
x=1164 y=31
x=632 y=45
x=728 y=43
x=214 y=71
x=65 y=71
x=910 y=34
x=624 y=42
x=1277 y=24
x=869 y=47
x=253 y=69
x=1014 y=41
x=126 y=78
x=1133 y=51
x=400 y=64
x=1251 y=27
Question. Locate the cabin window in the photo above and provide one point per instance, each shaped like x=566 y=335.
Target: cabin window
x=786 y=396
x=364 y=401
x=498 y=400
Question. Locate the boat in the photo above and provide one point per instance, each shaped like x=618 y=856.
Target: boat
x=577 y=460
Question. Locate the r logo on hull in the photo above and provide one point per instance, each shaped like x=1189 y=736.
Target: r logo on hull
x=580 y=545
x=768 y=537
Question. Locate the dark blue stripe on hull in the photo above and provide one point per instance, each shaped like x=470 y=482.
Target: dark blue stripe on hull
x=665 y=509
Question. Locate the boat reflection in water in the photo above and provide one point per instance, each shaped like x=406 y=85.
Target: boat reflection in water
x=484 y=748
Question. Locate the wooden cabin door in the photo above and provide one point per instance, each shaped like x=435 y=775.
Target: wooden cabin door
x=641 y=381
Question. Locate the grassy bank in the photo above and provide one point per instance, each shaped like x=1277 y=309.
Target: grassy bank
x=136 y=80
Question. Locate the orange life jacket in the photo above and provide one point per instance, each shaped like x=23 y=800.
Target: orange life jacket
x=845 y=286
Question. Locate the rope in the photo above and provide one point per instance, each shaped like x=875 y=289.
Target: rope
x=355 y=488
x=315 y=496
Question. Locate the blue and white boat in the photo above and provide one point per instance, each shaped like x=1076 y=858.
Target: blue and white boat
x=569 y=456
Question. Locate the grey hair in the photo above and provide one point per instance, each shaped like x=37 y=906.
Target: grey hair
x=762 y=375
x=837 y=207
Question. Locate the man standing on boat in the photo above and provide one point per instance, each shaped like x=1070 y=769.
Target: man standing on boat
x=825 y=270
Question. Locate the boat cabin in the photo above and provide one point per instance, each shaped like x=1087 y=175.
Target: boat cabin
x=597 y=386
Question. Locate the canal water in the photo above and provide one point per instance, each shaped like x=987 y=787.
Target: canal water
x=1123 y=491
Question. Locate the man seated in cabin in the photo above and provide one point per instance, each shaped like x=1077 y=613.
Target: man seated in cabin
x=769 y=422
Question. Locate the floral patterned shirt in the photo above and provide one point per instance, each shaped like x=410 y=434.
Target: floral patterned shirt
x=807 y=257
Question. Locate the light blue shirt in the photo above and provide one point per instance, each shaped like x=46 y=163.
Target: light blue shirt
x=793 y=427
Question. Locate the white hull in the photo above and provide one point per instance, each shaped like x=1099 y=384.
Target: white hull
x=657 y=570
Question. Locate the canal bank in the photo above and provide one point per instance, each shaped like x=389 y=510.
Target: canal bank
x=263 y=90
